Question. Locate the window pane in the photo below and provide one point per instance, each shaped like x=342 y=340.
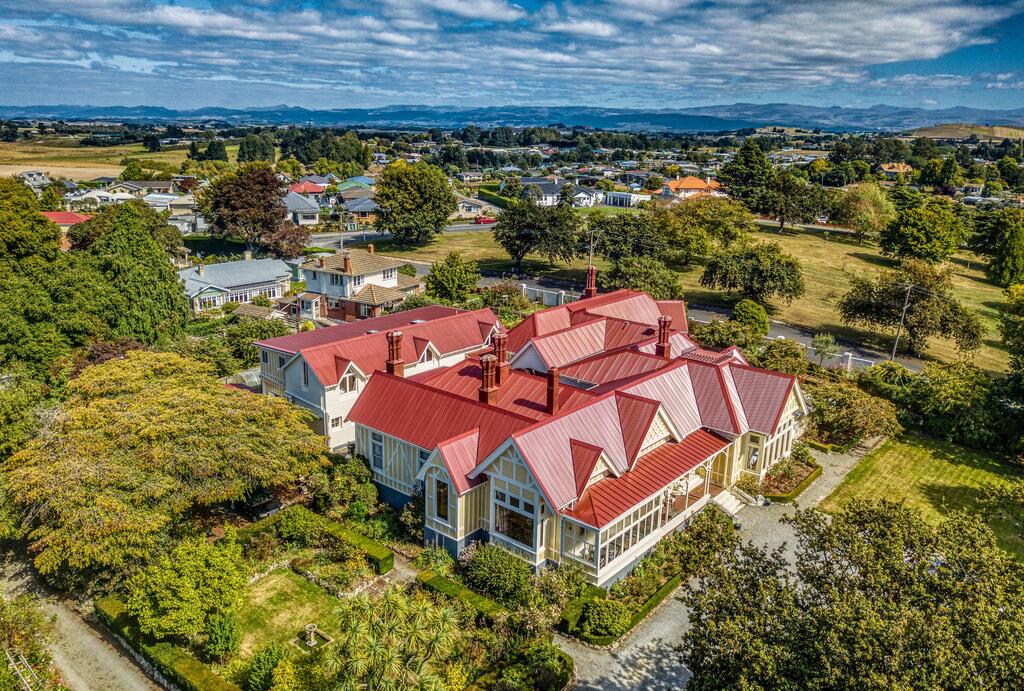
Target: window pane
x=514 y=525
x=441 y=499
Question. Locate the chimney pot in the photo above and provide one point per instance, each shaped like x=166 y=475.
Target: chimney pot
x=664 y=348
x=370 y=248
x=498 y=343
x=347 y=263
x=395 y=364
x=488 y=388
x=554 y=386
x=320 y=261
x=591 y=289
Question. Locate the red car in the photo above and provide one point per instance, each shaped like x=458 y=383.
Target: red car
x=484 y=219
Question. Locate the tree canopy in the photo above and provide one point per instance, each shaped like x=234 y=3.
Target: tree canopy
x=452 y=279
x=139 y=443
x=1006 y=228
x=747 y=175
x=415 y=201
x=931 y=232
x=643 y=273
x=866 y=209
x=757 y=270
x=875 y=599
x=248 y=204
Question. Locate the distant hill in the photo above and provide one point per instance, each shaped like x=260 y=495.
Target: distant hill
x=694 y=119
x=962 y=131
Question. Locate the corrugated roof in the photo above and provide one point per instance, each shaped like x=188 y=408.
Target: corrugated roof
x=607 y=499
x=712 y=396
x=296 y=203
x=65 y=218
x=611 y=367
x=763 y=395
x=228 y=275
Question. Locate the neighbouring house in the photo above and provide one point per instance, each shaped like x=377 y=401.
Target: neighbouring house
x=324 y=370
x=140 y=188
x=159 y=201
x=584 y=435
x=81 y=199
x=352 y=284
x=103 y=181
x=470 y=176
x=210 y=286
x=894 y=170
x=467 y=207
x=64 y=220
x=185 y=216
x=310 y=190
x=301 y=211
x=363 y=210
x=354 y=192
x=587 y=197
x=36 y=179
x=690 y=186
x=321 y=180
x=625 y=199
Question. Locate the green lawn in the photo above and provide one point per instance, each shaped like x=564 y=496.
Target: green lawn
x=279 y=605
x=934 y=477
x=827 y=264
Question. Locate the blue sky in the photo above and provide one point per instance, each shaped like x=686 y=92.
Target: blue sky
x=640 y=53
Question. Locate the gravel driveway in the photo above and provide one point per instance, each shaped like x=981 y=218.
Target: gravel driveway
x=647 y=660
x=84 y=654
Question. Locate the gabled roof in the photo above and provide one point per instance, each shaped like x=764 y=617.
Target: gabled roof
x=306 y=187
x=296 y=203
x=378 y=295
x=227 y=275
x=362 y=262
x=763 y=395
x=692 y=183
x=428 y=417
x=65 y=218
x=584 y=459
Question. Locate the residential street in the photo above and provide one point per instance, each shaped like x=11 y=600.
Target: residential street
x=647 y=660
x=84 y=654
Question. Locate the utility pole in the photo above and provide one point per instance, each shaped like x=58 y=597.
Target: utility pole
x=903 y=315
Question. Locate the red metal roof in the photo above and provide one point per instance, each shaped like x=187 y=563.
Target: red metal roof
x=521 y=393
x=425 y=417
x=612 y=367
x=307 y=188
x=584 y=459
x=611 y=497
x=65 y=218
x=763 y=395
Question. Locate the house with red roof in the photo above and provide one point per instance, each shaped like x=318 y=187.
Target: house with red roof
x=64 y=220
x=691 y=186
x=585 y=434
x=324 y=370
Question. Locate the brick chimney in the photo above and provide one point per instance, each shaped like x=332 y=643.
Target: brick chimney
x=201 y=270
x=553 y=388
x=488 y=387
x=664 y=348
x=321 y=262
x=370 y=249
x=395 y=364
x=347 y=262
x=591 y=289
x=498 y=342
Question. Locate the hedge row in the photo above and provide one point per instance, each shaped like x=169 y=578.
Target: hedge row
x=491 y=679
x=569 y=620
x=382 y=558
x=176 y=665
x=653 y=601
x=491 y=195
x=484 y=606
x=832 y=448
x=795 y=492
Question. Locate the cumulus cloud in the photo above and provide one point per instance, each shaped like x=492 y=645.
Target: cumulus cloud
x=606 y=51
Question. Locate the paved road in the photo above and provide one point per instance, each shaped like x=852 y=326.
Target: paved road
x=333 y=239
x=84 y=654
x=648 y=659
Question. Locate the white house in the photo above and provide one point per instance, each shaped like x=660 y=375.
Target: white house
x=209 y=287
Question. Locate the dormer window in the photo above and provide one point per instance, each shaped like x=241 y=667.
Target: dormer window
x=357 y=280
x=389 y=274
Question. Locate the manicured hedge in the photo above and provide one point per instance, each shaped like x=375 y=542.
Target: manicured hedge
x=176 y=665
x=569 y=620
x=795 y=492
x=491 y=195
x=382 y=558
x=484 y=606
x=653 y=601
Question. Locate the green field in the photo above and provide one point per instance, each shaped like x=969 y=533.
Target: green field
x=826 y=264
x=935 y=478
x=279 y=605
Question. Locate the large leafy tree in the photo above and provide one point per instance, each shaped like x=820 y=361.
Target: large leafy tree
x=1005 y=230
x=1011 y=325
x=875 y=599
x=878 y=300
x=247 y=204
x=150 y=304
x=790 y=199
x=748 y=175
x=256 y=147
x=141 y=442
x=181 y=591
x=643 y=273
x=452 y=279
x=518 y=229
x=23 y=231
x=932 y=233
x=415 y=201
x=619 y=236
x=83 y=235
x=866 y=209
x=760 y=271
x=695 y=225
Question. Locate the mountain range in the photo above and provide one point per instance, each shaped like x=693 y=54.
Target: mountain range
x=695 y=119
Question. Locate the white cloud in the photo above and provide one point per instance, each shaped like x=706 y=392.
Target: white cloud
x=580 y=27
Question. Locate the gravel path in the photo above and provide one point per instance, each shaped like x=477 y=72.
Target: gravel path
x=84 y=654
x=647 y=660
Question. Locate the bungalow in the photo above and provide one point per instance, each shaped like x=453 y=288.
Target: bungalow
x=92 y=198
x=467 y=207
x=353 y=284
x=363 y=210
x=64 y=220
x=625 y=199
x=210 y=287
x=690 y=186
x=311 y=191
x=894 y=170
x=326 y=369
x=586 y=197
x=140 y=188
x=584 y=435
x=470 y=176
x=301 y=211
x=159 y=200
x=36 y=179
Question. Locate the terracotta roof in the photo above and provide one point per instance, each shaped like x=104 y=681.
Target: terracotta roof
x=521 y=393
x=65 y=218
x=307 y=188
x=427 y=417
x=362 y=263
x=896 y=167
x=692 y=183
x=378 y=295
x=607 y=499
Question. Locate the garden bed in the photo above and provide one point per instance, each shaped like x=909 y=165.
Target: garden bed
x=788 y=478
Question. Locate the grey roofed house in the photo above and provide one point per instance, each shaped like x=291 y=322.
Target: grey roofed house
x=232 y=275
x=362 y=205
x=317 y=179
x=296 y=203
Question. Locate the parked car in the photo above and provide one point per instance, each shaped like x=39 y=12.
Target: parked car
x=260 y=504
x=484 y=219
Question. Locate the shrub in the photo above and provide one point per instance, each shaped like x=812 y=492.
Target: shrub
x=604 y=618
x=751 y=315
x=505 y=296
x=493 y=571
x=435 y=559
x=842 y=414
x=261 y=669
x=548 y=667
x=780 y=355
x=722 y=334
x=263 y=546
x=261 y=301
x=222 y=637
x=558 y=586
x=483 y=606
x=298 y=527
